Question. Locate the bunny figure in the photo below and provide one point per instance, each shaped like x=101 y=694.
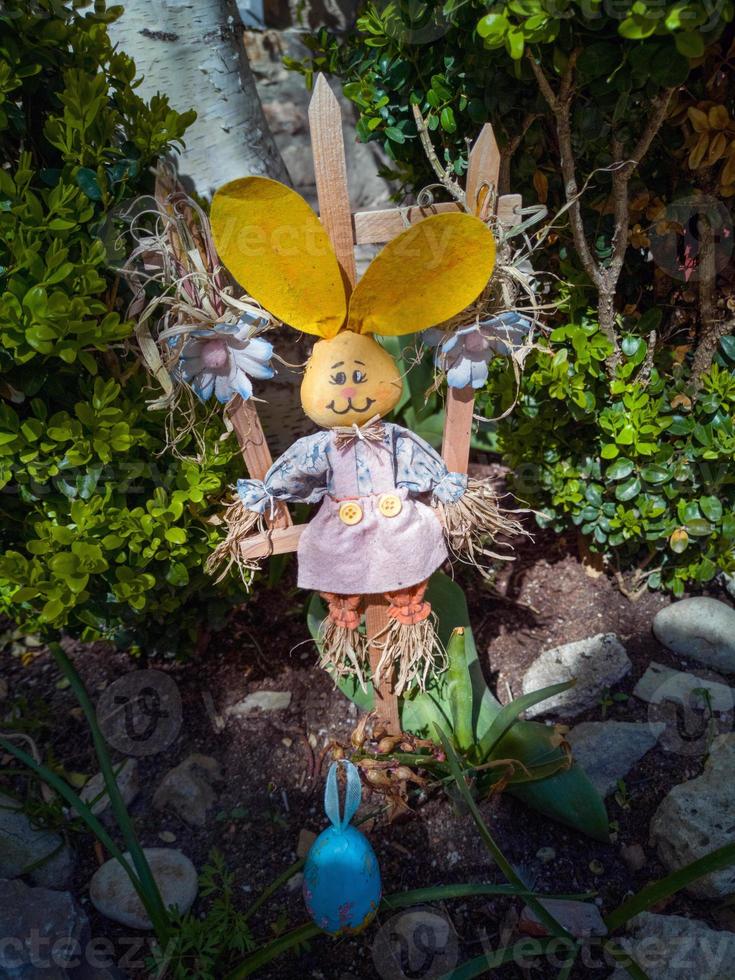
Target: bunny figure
x=387 y=502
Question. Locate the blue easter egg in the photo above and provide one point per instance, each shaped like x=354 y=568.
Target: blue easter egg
x=342 y=881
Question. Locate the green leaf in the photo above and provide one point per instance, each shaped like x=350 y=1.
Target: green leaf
x=628 y=490
x=690 y=44
x=570 y=798
x=176 y=535
x=86 y=179
x=711 y=508
x=620 y=469
x=493 y=26
x=699 y=528
x=511 y=711
x=395 y=134
x=448 y=122
x=656 y=474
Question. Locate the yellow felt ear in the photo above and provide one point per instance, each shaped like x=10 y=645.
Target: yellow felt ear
x=276 y=248
x=426 y=275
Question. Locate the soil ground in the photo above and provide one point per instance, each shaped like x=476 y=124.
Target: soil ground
x=272 y=778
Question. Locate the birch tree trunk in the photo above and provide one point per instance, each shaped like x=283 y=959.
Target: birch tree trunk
x=192 y=50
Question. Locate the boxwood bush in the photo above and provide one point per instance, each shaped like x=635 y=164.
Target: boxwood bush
x=644 y=472
x=102 y=532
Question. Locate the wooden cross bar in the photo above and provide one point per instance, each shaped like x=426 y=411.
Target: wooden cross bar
x=346 y=230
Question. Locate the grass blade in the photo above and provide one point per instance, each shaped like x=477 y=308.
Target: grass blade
x=482 y=965
x=657 y=891
x=441 y=893
x=274 y=949
x=554 y=927
x=510 y=712
x=154 y=903
x=67 y=793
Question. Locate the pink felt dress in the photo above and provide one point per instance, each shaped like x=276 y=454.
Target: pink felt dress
x=391 y=546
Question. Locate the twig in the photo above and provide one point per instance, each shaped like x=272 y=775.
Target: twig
x=451 y=185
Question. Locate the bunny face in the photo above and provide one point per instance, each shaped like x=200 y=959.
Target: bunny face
x=349 y=379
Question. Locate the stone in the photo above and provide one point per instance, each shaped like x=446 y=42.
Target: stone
x=127 y=782
x=546 y=855
x=597 y=663
x=23 y=845
x=673 y=947
x=697 y=817
x=187 y=789
x=608 y=750
x=43 y=931
x=634 y=856
x=661 y=683
x=306 y=839
x=582 y=919
x=260 y=700
x=701 y=629
x=113 y=895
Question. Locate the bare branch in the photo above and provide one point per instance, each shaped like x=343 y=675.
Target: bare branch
x=451 y=185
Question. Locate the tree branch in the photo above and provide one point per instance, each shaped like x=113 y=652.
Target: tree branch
x=560 y=106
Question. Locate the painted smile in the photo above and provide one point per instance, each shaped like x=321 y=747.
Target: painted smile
x=351 y=407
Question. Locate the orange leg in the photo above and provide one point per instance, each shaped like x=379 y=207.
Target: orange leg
x=344 y=610
x=407 y=606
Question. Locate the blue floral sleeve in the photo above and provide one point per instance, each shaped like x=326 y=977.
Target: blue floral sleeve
x=420 y=469
x=299 y=475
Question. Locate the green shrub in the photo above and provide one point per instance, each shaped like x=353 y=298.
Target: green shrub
x=645 y=473
x=620 y=118
x=101 y=533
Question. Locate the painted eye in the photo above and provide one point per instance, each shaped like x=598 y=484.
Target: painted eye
x=358 y=377
x=339 y=378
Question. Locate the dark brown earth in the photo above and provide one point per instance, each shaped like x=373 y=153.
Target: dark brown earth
x=271 y=764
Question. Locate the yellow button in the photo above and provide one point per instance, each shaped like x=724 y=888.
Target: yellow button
x=390 y=505
x=350 y=513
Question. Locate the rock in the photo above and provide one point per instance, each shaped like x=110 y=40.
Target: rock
x=113 y=895
x=596 y=663
x=127 y=782
x=729 y=581
x=187 y=789
x=296 y=882
x=700 y=628
x=697 y=817
x=23 y=845
x=582 y=919
x=672 y=947
x=660 y=683
x=546 y=855
x=263 y=700
x=634 y=856
x=167 y=837
x=43 y=931
x=608 y=750
x=306 y=839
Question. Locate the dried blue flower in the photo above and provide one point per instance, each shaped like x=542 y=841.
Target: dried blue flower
x=222 y=359
x=464 y=354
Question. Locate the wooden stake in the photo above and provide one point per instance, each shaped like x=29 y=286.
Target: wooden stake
x=330 y=170
x=386 y=702
x=325 y=121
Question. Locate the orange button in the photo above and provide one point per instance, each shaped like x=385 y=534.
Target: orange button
x=350 y=513
x=390 y=505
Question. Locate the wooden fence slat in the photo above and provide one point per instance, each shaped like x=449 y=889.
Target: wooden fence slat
x=483 y=169
x=330 y=170
x=381 y=226
x=254 y=448
x=325 y=120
